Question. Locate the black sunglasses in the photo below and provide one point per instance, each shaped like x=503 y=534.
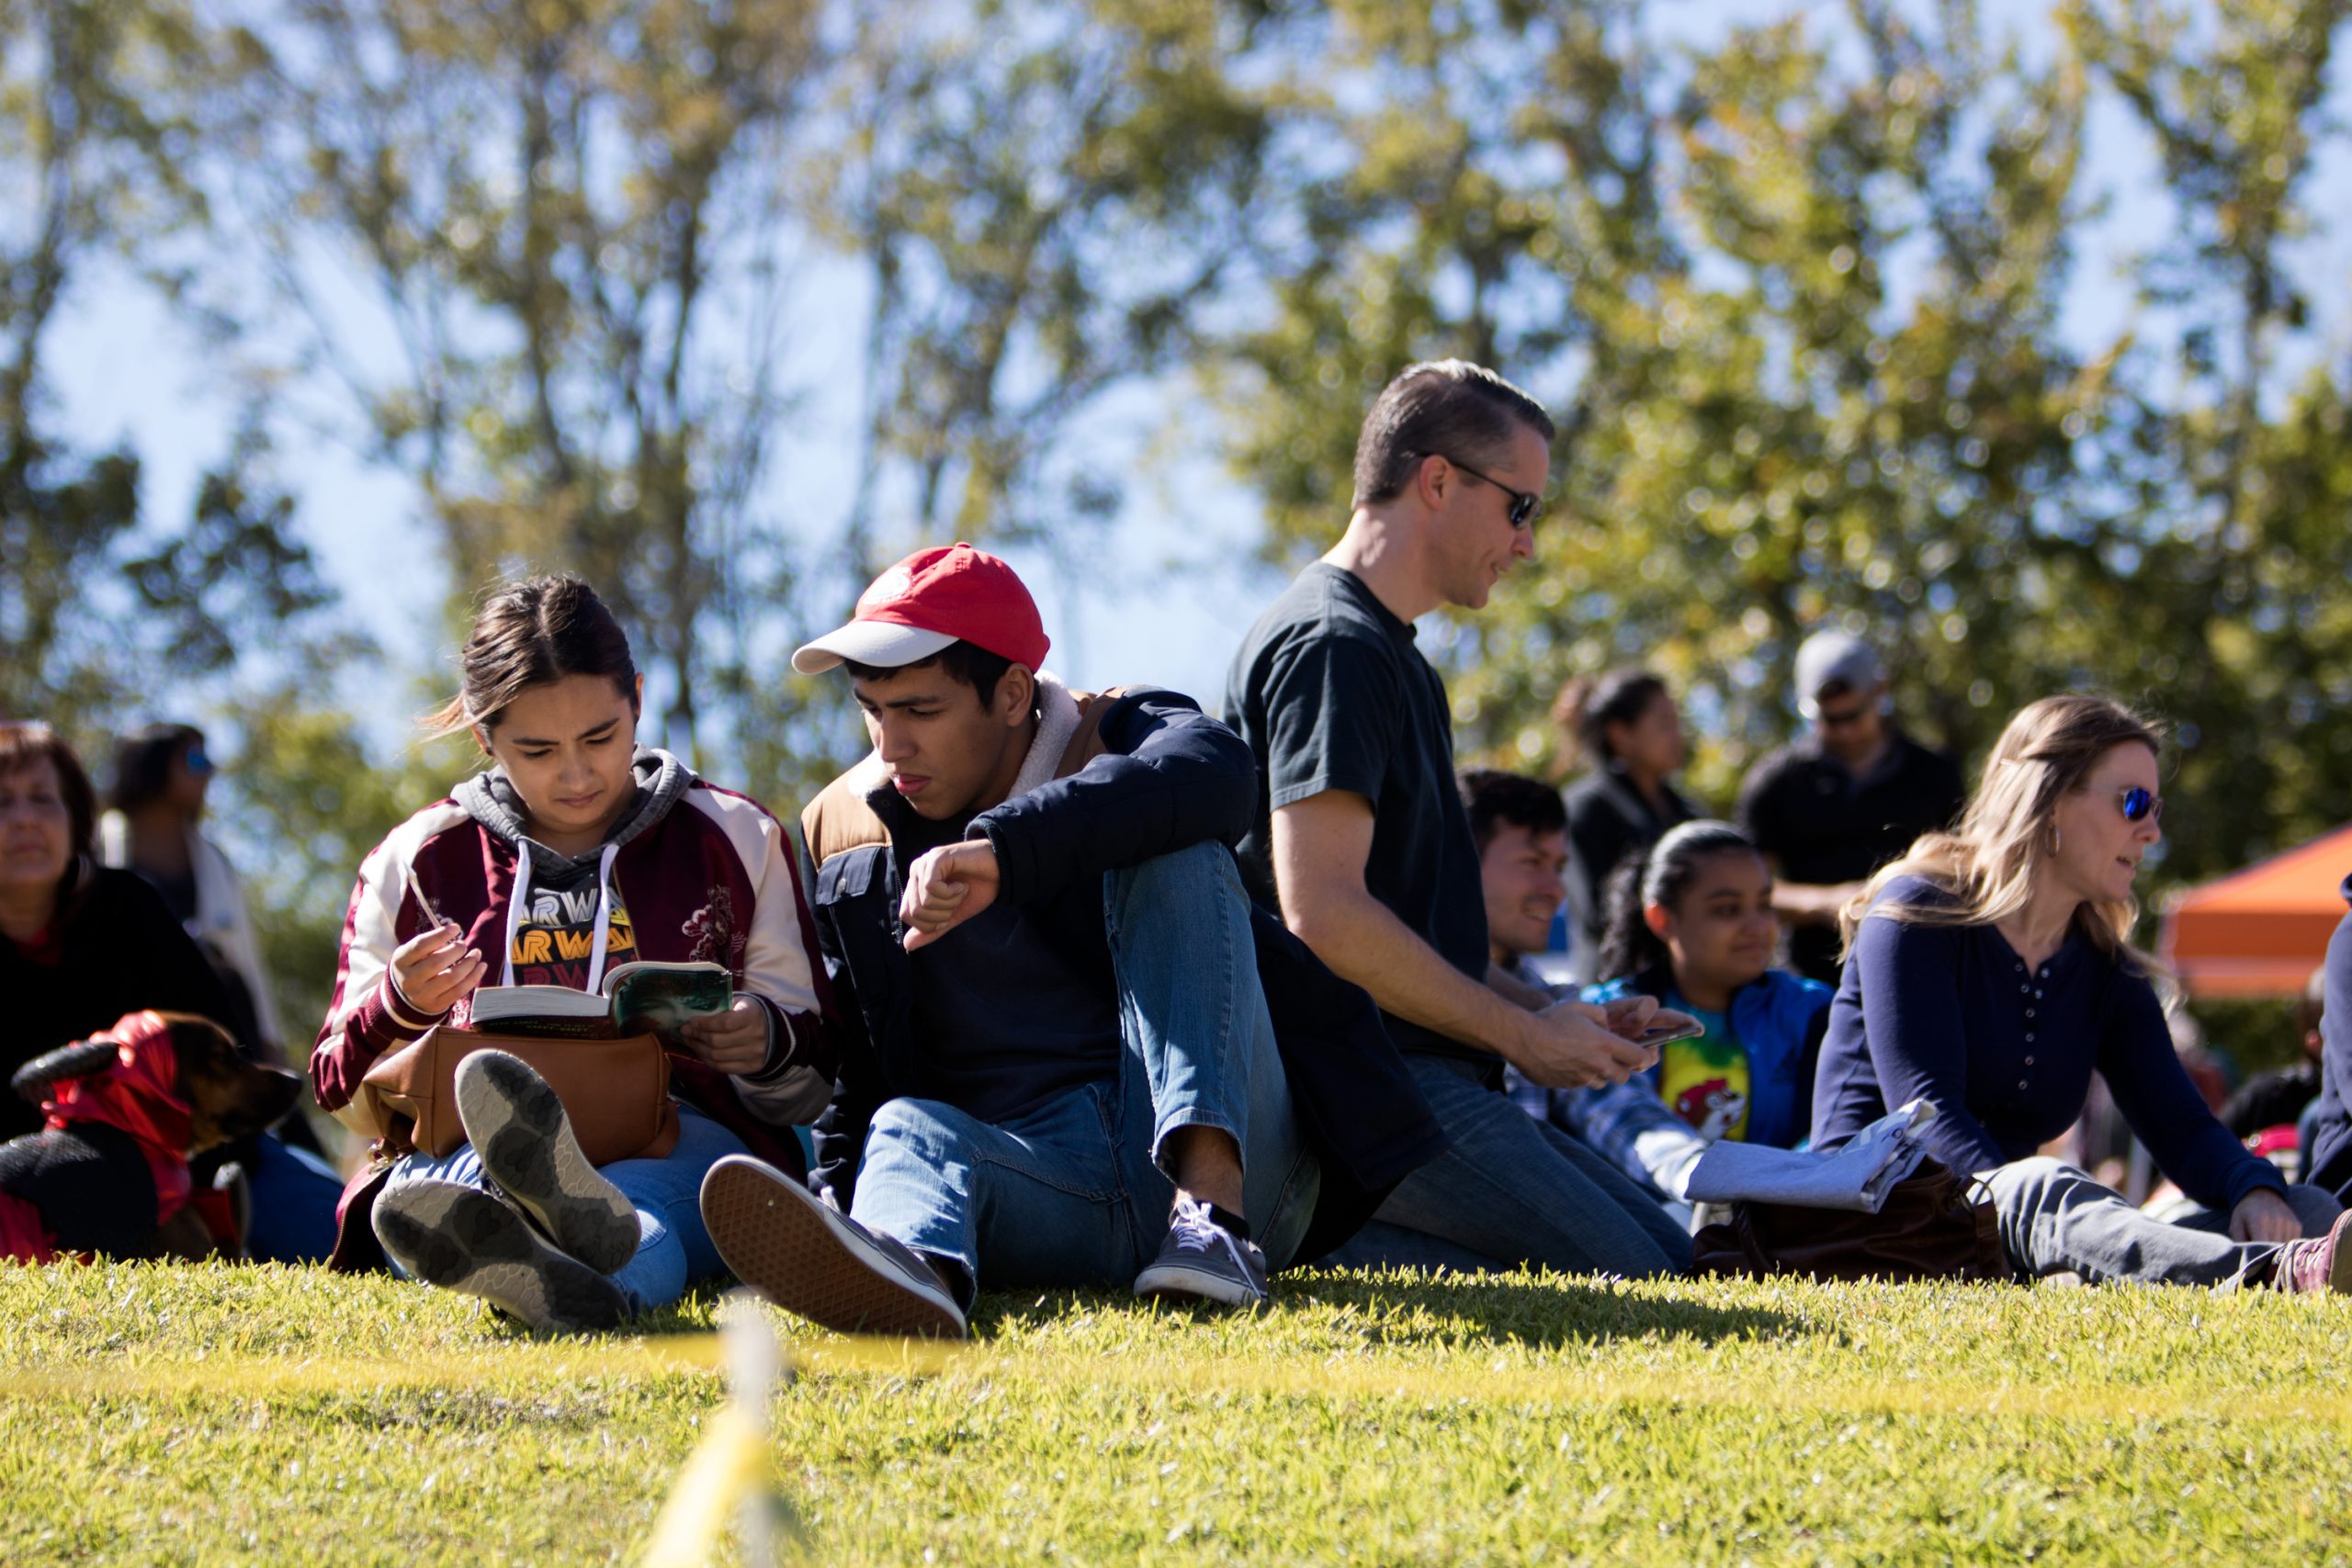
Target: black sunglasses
x=2139 y=805
x=1522 y=503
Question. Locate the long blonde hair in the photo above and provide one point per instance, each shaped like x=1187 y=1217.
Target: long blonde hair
x=1990 y=865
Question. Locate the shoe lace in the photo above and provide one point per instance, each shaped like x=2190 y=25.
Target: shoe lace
x=1193 y=1229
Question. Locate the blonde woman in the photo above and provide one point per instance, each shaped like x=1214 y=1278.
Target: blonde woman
x=1990 y=971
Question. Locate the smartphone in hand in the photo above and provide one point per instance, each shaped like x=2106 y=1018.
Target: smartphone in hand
x=1667 y=1025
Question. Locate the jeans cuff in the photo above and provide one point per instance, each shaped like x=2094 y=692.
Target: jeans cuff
x=1177 y=1120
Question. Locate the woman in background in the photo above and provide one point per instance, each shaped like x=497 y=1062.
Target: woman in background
x=161 y=776
x=81 y=944
x=1625 y=725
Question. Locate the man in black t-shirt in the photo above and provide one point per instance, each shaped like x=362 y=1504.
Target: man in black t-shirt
x=1844 y=801
x=1361 y=840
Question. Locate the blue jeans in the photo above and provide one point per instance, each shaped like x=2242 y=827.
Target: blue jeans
x=674 y=1250
x=1074 y=1192
x=1512 y=1190
x=294 y=1194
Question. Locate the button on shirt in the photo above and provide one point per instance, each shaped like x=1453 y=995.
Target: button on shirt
x=2006 y=1050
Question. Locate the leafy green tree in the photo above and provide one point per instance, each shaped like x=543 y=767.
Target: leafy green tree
x=96 y=598
x=572 y=219
x=1798 y=294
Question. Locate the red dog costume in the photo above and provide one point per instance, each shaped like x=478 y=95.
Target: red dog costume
x=139 y=1095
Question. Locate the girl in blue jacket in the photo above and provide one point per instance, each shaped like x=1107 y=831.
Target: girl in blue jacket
x=1691 y=924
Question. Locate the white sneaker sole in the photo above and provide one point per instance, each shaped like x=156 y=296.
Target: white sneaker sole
x=783 y=1243
x=525 y=1141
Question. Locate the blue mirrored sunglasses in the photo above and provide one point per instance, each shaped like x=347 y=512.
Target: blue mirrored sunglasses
x=2139 y=805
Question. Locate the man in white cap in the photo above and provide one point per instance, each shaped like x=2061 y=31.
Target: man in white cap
x=1071 y=1053
x=1835 y=806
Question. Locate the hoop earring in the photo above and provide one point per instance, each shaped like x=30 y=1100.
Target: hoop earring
x=2056 y=837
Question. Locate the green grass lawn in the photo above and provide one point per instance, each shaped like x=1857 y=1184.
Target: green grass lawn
x=227 y=1414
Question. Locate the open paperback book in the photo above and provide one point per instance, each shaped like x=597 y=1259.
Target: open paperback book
x=638 y=999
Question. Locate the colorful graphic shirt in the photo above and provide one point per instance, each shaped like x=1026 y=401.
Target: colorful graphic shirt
x=1705 y=1080
x=557 y=933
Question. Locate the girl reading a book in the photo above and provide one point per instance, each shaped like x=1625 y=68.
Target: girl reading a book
x=575 y=852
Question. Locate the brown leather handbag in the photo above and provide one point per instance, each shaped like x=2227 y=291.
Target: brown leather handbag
x=1932 y=1226
x=615 y=1092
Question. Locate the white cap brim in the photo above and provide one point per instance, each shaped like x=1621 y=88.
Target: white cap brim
x=880 y=643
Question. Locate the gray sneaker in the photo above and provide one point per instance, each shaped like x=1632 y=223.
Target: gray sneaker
x=517 y=1127
x=461 y=1238
x=1203 y=1261
x=784 y=1243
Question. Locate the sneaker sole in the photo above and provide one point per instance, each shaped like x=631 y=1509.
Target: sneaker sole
x=463 y=1239
x=781 y=1242
x=1196 y=1284
x=525 y=1141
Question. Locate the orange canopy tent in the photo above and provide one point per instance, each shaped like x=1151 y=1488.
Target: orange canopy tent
x=2260 y=931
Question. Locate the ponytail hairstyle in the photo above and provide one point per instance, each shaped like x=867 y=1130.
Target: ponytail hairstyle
x=529 y=632
x=1588 y=705
x=1662 y=875
x=1992 y=862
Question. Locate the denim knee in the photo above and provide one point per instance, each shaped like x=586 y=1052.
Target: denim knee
x=925 y=1130
x=1155 y=881
x=656 y=1276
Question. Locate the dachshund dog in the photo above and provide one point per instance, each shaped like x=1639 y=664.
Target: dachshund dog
x=126 y=1109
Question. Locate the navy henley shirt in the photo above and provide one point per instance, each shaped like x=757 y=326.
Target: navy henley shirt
x=2006 y=1052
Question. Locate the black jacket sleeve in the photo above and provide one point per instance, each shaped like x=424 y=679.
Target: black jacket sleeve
x=1171 y=778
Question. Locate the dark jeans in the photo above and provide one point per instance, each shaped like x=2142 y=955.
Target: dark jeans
x=1512 y=1190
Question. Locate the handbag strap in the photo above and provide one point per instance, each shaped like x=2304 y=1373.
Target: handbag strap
x=521 y=898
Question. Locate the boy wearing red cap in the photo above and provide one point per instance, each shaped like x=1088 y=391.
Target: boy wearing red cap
x=1358 y=827
x=1061 y=1066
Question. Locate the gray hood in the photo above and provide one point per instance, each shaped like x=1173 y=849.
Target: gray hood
x=490 y=799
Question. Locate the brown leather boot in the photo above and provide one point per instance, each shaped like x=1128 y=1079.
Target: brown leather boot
x=2317 y=1263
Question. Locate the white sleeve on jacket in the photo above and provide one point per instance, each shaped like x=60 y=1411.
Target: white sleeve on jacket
x=778 y=967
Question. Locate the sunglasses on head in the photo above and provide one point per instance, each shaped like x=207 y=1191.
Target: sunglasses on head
x=2139 y=805
x=1522 y=503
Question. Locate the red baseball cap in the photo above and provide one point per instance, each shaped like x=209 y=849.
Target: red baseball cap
x=934 y=597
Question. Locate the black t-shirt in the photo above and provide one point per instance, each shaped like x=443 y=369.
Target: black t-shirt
x=1610 y=823
x=1824 y=826
x=1330 y=694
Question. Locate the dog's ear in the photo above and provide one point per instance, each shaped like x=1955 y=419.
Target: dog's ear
x=78 y=1060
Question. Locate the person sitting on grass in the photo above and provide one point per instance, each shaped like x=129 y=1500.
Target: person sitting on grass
x=1061 y=1064
x=1990 y=972
x=577 y=850
x=1360 y=839
x=1690 y=923
x=81 y=944
x=153 y=826
x=2330 y=1120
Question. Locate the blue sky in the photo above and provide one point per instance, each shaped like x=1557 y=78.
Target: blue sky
x=127 y=370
